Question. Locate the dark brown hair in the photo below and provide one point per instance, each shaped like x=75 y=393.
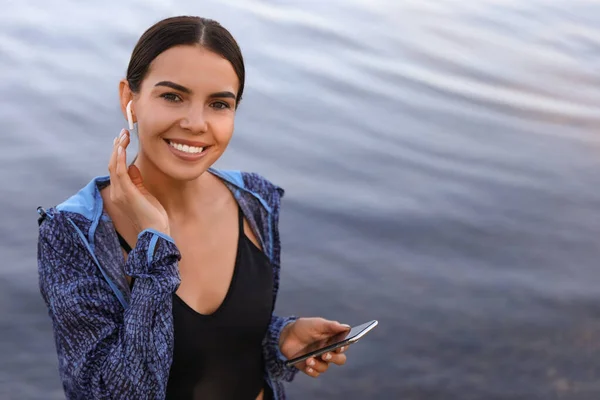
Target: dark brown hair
x=184 y=30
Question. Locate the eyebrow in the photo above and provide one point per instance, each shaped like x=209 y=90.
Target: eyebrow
x=178 y=87
x=225 y=94
x=174 y=85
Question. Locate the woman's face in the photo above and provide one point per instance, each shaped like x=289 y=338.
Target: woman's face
x=185 y=110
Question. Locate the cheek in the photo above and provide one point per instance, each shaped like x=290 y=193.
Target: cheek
x=223 y=129
x=152 y=123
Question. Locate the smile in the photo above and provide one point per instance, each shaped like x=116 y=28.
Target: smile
x=185 y=151
x=185 y=148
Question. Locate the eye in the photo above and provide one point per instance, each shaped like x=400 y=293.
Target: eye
x=171 y=97
x=220 y=105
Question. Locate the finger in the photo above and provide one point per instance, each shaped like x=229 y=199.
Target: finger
x=335 y=358
x=311 y=372
x=112 y=162
x=121 y=150
x=317 y=364
x=115 y=190
x=121 y=169
x=336 y=327
x=135 y=175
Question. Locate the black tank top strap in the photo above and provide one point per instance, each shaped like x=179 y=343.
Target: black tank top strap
x=241 y=218
x=125 y=246
x=123 y=243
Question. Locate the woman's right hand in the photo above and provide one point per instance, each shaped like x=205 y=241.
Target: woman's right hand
x=128 y=194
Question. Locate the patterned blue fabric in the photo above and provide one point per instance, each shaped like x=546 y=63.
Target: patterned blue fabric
x=117 y=343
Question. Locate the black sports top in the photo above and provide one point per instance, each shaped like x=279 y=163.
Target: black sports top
x=219 y=356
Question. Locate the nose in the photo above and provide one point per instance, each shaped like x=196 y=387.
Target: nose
x=195 y=121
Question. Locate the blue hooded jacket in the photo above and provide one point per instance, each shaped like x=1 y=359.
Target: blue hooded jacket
x=117 y=343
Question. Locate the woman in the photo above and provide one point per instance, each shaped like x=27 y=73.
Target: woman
x=161 y=278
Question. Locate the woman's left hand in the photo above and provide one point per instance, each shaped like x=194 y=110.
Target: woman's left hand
x=305 y=331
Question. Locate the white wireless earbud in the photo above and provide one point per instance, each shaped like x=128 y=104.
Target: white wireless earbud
x=129 y=115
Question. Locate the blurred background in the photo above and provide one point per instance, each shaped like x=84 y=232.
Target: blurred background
x=441 y=164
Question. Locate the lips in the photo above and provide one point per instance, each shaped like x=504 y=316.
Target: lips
x=187 y=148
x=187 y=142
x=186 y=152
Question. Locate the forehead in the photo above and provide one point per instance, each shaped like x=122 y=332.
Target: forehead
x=194 y=67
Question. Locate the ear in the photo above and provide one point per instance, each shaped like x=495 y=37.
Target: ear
x=125 y=96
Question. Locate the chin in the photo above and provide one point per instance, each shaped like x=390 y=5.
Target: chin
x=184 y=174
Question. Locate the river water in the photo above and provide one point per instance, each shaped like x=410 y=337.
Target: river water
x=441 y=166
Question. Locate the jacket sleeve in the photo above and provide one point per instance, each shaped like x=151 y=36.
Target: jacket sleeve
x=104 y=351
x=274 y=359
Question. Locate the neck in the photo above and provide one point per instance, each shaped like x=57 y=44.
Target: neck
x=180 y=199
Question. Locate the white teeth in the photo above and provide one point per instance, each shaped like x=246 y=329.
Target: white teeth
x=185 y=148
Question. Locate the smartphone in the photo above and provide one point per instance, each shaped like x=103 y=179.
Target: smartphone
x=323 y=346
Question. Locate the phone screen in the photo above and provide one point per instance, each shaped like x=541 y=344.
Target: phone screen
x=333 y=340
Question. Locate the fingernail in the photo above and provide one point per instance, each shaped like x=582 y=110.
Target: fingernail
x=310 y=370
x=115 y=141
x=311 y=362
x=342 y=349
x=328 y=356
x=122 y=132
x=122 y=138
x=346 y=325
